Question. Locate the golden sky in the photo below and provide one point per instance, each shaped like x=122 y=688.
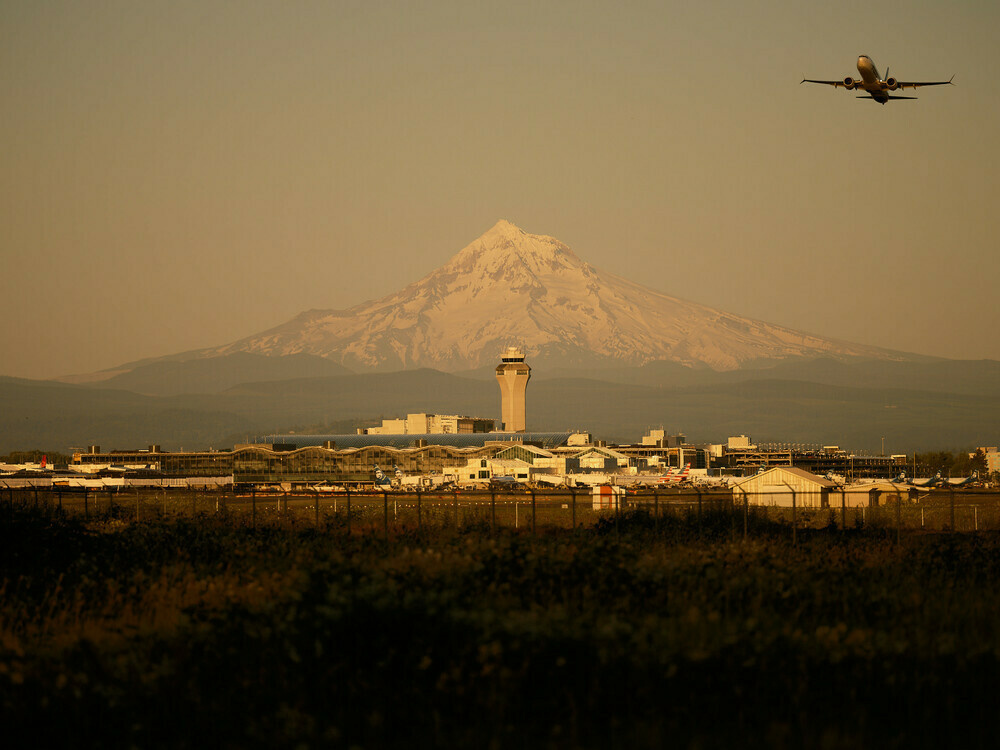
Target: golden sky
x=181 y=174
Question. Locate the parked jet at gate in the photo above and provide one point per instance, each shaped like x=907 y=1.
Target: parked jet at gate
x=931 y=482
x=961 y=481
x=874 y=85
x=678 y=477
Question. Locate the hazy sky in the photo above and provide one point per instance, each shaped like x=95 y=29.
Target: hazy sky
x=181 y=174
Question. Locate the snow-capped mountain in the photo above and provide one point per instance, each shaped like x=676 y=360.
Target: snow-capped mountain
x=511 y=287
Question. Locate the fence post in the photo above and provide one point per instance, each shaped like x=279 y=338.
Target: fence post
x=137 y=505
x=455 y=495
x=493 y=511
x=795 y=520
x=656 y=510
x=572 y=494
x=418 y=510
x=86 y=498
x=317 y=507
x=348 y=489
x=616 y=499
x=899 y=514
x=951 y=503
x=795 y=539
x=532 y=511
x=385 y=516
x=253 y=507
x=194 y=504
x=59 y=498
x=699 y=512
x=746 y=514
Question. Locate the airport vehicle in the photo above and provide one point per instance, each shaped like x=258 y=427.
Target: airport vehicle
x=874 y=86
x=505 y=484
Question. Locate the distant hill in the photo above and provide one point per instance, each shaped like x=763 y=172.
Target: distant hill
x=970 y=377
x=175 y=376
x=952 y=405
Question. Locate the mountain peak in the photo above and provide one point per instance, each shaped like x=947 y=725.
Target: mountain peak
x=510 y=286
x=504 y=228
x=506 y=246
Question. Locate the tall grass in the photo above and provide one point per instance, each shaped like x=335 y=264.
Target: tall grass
x=639 y=632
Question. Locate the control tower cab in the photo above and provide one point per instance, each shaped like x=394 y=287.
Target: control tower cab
x=512 y=375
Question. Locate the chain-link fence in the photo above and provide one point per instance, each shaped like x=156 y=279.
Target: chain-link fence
x=385 y=512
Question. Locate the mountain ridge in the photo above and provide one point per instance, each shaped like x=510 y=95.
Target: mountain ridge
x=58 y=416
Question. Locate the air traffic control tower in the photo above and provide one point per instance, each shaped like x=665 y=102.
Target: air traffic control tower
x=512 y=375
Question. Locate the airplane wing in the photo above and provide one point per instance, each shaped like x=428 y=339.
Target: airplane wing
x=839 y=83
x=916 y=84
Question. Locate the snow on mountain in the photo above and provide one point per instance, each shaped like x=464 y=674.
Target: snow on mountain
x=511 y=287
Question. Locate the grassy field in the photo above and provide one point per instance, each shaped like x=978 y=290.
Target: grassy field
x=202 y=632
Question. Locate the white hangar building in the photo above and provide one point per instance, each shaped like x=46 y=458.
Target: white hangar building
x=775 y=487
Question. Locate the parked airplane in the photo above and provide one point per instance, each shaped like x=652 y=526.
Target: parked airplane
x=381 y=480
x=874 y=85
x=961 y=481
x=678 y=477
x=665 y=477
x=929 y=482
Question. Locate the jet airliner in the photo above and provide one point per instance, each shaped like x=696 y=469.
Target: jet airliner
x=874 y=85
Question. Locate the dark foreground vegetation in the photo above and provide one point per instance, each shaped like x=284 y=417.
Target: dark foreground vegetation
x=204 y=633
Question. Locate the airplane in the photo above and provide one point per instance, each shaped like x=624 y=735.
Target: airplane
x=665 y=477
x=381 y=480
x=930 y=482
x=678 y=477
x=961 y=482
x=874 y=85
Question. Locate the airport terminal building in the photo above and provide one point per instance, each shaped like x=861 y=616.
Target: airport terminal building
x=310 y=459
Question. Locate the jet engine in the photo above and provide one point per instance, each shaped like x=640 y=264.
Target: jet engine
x=848 y=83
x=892 y=84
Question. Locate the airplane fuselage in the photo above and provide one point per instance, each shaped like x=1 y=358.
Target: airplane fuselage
x=871 y=81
